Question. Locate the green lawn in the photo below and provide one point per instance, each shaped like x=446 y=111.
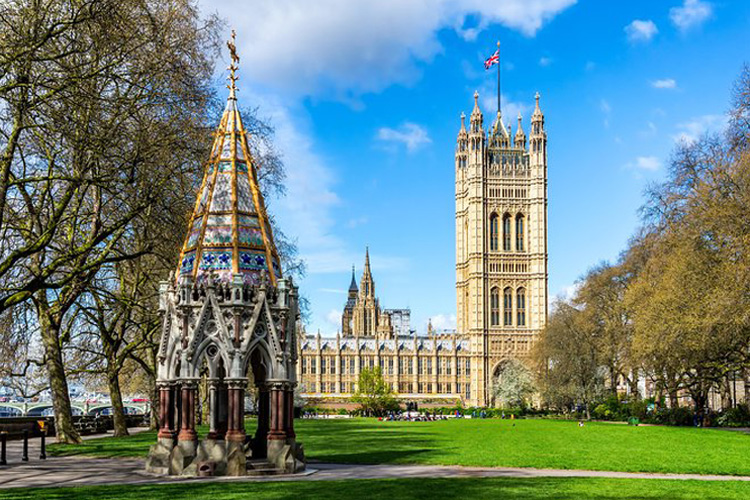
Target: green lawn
x=453 y=489
x=495 y=443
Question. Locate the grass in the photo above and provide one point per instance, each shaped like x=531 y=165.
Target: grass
x=395 y=489
x=496 y=443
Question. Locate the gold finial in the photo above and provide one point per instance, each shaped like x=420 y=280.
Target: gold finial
x=234 y=66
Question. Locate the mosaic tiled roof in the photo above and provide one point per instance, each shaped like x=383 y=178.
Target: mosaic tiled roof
x=229 y=230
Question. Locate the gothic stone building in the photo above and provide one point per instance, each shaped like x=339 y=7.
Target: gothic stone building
x=501 y=283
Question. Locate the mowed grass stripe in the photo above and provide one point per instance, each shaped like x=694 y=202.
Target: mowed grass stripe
x=497 y=443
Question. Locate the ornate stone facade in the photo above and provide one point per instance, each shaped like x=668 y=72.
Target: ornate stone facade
x=501 y=282
x=435 y=366
x=501 y=242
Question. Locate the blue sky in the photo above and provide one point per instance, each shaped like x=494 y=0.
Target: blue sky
x=366 y=98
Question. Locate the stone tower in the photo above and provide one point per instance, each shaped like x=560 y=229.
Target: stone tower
x=366 y=311
x=351 y=301
x=501 y=242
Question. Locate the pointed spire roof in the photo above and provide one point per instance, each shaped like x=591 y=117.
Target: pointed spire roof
x=230 y=232
x=537 y=111
x=476 y=111
x=353 y=284
x=463 y=124
x=367 y=285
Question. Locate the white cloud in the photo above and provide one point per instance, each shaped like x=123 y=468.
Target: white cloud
x=691 y=14
x=545 y=61
x=691 y=130
x=333 y=319
x=666 y=83
x=344 y=47
x=650 y=163
x=641 y=30
x=409 y=134
x=442 y=322
x=332 y=290
x=590 y=66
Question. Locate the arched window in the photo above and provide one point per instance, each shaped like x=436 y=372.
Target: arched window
x=493 y=232
x=521 y=307
x=495 y=307
x=520 y=220
x=508 y=307
x=506 y=232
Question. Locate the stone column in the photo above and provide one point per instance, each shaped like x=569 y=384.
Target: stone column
x=260 y=444
x=187 y=411
x=278 y=414
x=166 y=413
x=289 y=394
x=236 y=427
x=213 y=409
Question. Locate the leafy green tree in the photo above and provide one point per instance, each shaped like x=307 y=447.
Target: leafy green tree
x=374 y=395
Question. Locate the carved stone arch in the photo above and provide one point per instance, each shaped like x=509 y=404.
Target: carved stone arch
x=266 y=354
x=204 y=351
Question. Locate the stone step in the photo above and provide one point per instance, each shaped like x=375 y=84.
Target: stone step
x=261 y=467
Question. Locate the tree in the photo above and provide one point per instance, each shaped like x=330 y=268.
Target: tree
x=105 y=104
x=374 y=395
x=569 y=366
x=514 y=385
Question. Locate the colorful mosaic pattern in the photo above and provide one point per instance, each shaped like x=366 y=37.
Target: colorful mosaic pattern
x=229 y=237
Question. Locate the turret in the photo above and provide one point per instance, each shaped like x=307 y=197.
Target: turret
x=367 y=285
x=520 y=139
x=538 y=136
x=462 y=144
x=476 y=132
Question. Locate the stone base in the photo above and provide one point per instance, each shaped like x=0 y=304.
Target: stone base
x=221 y=458
x=160 y=457
x=287 y=455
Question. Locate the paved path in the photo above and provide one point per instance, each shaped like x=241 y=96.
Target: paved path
x=77 y=471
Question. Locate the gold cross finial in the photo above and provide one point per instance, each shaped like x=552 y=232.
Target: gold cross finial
x=234 y=66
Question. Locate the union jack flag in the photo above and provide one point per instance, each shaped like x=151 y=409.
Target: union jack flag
x=492 y=60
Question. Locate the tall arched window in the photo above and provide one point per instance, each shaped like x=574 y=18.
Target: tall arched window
x=506 y=232
x=508 y=307
x=495 y=307
x=493 y=232
x=520 y=221
x=521 y=307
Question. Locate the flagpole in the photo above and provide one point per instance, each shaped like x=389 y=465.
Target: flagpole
x=498 y=77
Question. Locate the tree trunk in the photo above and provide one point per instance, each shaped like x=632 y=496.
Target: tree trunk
x=58 y=382
x=118 y=412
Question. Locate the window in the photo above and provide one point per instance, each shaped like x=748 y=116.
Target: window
x=420 y=367
x=468 y=366
x=323 y=365
x=429 y=366
x=493 y=232
x=519 y=232
x=448 y=364
x=304 y=364
x=410 y=366
x=506 y=232
x=508 y=307
x=390 y=366
x=521 y=307
x=494 y=307
x=332 y=365
x=313 y=362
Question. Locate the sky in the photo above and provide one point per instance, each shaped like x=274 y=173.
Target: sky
x=365 y=98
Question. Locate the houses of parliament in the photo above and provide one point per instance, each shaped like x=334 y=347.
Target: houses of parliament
x=501 y=283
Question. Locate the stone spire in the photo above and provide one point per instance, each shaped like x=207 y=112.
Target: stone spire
x=476 y=117
x=520 y=140
x=353 y=284
x=367 y=285
x=230 y=233
x=463 y=125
